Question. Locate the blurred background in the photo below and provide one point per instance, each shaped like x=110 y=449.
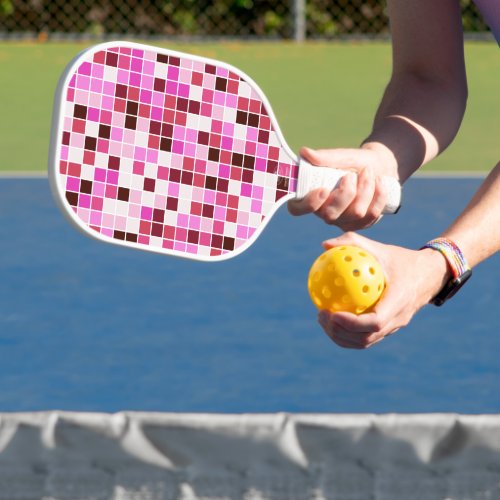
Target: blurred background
x=323 y=65
x=283 y=19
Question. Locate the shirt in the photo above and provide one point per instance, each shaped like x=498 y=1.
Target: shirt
x=490 y=9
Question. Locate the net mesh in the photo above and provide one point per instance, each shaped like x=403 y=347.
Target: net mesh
x=157 y=456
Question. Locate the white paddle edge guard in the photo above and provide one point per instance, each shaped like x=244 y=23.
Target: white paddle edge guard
x=312 y=177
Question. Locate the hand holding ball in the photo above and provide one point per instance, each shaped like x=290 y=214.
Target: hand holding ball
x=346 y=278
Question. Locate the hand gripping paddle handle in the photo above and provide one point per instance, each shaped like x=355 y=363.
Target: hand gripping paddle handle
x=311 y=177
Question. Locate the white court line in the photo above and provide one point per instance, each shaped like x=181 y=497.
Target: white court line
x=454 y=174
x=23 y=175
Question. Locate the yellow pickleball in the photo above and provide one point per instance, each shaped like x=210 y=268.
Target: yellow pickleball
x=346 y=278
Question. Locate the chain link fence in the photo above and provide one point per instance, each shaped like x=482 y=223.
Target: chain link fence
x=284 y=19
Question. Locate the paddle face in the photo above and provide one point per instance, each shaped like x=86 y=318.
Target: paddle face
x=166 y=152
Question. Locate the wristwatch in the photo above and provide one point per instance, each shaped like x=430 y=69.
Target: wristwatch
x=459 y=267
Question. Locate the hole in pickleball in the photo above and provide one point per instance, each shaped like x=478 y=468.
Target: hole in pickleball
x=327 y=293
x=348 y=258
x=317 y=276
x=356 y=273
x=363 y=254
x=366 y=289
x=372 y=270
x=317 y=300
x=339 y=281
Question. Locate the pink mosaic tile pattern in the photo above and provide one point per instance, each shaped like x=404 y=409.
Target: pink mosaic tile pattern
x=169 y=152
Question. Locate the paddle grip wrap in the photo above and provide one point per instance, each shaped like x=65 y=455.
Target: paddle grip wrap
x=312 y=177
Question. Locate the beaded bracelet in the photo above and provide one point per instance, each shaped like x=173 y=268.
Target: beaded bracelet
x=452 y=254
x=460 y=269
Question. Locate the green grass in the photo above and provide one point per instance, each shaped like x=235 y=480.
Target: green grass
x=324 y=95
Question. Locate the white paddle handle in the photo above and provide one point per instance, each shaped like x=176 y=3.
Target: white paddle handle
x=312 y=177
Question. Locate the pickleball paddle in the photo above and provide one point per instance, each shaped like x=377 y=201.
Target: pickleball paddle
x=172 y=153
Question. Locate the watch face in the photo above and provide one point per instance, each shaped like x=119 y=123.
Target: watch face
x=451 y=288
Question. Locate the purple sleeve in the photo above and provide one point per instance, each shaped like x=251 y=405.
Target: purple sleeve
x=490 y=9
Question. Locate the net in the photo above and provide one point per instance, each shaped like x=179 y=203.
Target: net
x=159 y=456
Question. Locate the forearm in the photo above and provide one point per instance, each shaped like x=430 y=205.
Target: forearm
x=416 y=121
x=477 y=230
x=424 y=103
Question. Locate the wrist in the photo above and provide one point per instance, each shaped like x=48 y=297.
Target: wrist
x=457 y=265
x=388 y=165
x=437 y=273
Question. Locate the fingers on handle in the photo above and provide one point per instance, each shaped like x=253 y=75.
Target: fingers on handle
x=339 y=199
x=310 y=203
x=337 y=158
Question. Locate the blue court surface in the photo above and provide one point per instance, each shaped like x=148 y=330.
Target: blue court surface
x=86 y=326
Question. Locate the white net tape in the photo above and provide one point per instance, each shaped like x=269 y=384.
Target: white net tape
x=155 y=456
